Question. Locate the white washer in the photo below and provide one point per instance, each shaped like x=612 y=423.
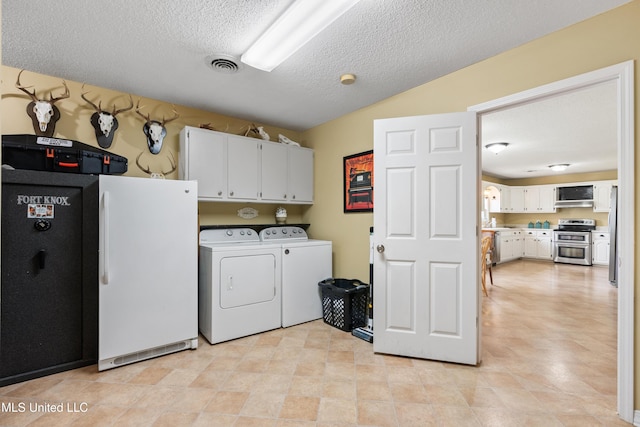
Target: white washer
x=305 y=263
x=239 y=284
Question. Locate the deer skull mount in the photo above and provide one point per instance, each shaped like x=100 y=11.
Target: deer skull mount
x=155 y=130
x=104 y=122
x=44 y=114
x=158 y=175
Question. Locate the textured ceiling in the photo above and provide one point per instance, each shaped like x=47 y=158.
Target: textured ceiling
x=161 y=49
x=158 y=49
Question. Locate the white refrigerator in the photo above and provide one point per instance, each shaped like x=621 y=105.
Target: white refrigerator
x=148 y=269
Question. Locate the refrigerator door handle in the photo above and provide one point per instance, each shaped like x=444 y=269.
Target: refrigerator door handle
x=105 y=248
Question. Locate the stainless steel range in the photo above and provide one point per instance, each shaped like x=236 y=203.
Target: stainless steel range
x=572 y=241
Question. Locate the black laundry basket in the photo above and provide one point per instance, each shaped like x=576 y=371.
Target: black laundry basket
x=344 y=303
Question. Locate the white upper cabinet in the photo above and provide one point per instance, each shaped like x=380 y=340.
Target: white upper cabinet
x=286 y=173
x=602 y=196
x=274 y=161
x=300 y=175
x=517 y=199
x=242 y=167
x=237 y=168
x=203 y=157
x=540 y=198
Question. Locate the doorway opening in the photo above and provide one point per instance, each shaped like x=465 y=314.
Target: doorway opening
x=622 y=75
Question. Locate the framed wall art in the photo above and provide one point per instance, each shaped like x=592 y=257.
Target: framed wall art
x=358 y=182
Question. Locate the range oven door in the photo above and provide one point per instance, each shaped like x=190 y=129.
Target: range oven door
x=572 y=248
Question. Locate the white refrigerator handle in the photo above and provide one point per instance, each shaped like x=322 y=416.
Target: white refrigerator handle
x=105 y=246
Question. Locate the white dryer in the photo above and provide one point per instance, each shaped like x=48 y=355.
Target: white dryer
x=305 y=263
x=239 y=284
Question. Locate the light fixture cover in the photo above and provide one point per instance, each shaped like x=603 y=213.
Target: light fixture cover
x=496 y=147
x=301 y=22
x=559 y=167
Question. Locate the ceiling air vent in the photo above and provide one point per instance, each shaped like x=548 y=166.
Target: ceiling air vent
x=223 y=63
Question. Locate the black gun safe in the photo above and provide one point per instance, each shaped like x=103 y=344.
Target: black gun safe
x=49 y=289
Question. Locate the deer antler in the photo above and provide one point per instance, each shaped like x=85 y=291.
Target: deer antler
x=32 y=95
x=65 y=95
x=147 y=118
x=175 y=116
x=172 y=160
x=116 y=112
x=98 y=107
x=148 y=170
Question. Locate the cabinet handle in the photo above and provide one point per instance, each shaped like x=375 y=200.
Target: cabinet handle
x=294 y=197
x=231 y=194
x=219 y=193
x=285 y=196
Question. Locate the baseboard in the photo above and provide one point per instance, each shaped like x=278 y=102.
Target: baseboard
x=636 y=418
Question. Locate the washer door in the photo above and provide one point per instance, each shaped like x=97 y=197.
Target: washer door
x=246 y=280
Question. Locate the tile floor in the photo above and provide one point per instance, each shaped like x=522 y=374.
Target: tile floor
x=549 y=350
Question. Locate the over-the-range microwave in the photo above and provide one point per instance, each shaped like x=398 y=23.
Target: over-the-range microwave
x=574 y=196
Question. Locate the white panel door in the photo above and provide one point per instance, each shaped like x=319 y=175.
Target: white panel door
x=426 y=269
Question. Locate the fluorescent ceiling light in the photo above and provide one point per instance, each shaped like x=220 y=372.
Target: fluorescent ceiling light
x=496 y=147
x=559 y=167
x=301 y=22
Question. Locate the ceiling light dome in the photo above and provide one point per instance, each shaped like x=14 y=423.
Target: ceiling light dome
x=496 y=147
x=559 y=167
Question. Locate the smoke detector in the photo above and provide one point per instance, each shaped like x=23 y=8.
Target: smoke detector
x=223 y=63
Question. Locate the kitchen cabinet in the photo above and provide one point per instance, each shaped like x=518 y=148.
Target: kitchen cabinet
x=600 y=250
x=540 y=198
x=602 y=197
x=538 y=244
x=232 y=168
x=509 y=245
x=516 y=200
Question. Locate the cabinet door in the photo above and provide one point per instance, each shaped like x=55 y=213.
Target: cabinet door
x=300 y=175
x=505 y=199
x=518 y=245
x=274 y=171
x=545 y=248
x=602 y=197
x=600 y=252
x=531 y=199
x=203 y=159
x=242 y=168
x=517 y=199
x=530 y=244
x=547 y=198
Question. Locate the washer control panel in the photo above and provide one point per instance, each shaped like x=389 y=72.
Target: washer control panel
x=283 y=233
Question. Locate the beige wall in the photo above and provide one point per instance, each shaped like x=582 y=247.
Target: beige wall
x=604 y=40
x=130 y=140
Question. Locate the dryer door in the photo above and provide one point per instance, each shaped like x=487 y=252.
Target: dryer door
x=246 y=280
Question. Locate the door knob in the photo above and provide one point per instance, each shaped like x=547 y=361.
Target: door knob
x=380 y=248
